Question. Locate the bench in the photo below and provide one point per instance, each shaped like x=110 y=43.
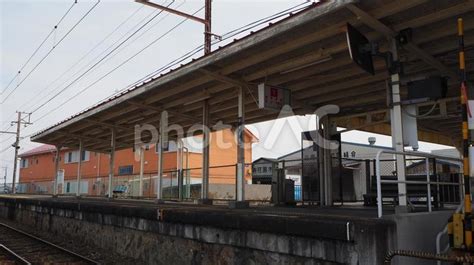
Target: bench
x=120 y=191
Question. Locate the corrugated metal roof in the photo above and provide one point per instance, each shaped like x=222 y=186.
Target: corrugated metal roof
x=289 y=54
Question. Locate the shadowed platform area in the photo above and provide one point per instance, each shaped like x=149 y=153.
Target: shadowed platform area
x=328 y=222
x=349 y=234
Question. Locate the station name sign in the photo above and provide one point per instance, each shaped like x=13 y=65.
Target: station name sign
x=272 y=97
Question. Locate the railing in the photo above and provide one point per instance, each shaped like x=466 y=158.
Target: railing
x=222 y=185
x=428 y=181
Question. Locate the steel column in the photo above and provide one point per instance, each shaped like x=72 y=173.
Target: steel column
x=240 y=196
x=179 y=163
x=205 y=151
x=111 y=161
x=142 y=168
x=56 y=170
x=397 y=129
x=162 y=131
x=79 y=165
x=327 y=163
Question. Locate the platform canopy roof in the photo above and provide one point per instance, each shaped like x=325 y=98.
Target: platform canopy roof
x=306 y=53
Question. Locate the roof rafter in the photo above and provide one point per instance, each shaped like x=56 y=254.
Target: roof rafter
x=411 y=47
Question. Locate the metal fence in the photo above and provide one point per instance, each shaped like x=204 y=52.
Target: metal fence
x=353 y=180
x=222 y=185
x=430 y=180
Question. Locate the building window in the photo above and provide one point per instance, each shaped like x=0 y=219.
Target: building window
x=24 y=163
x=125 y=170
x=85 y=155
x=73 y=156
x=69 y=157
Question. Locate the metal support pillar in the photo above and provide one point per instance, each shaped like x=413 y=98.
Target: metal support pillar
x=187 y=173
x=328 y=198
x=142 y=169
x=240 y=194
x=79 y=165
x=56 y=170
x=397 y=129
x=320 y=121
x=320 y=159
x=111 y=161
x=205 y=154
x=162 y=131
x=179 y=163
x=240 y=148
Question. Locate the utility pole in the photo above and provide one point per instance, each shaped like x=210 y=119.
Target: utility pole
x=20 y=121
x=207 y=27
x=207 y=49
x=206 y=21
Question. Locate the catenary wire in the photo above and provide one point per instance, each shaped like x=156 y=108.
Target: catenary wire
x=35 y=97
x=93 y=66
x=186 y=56
x=39 y=47
x=50 y=51
x=117 y=67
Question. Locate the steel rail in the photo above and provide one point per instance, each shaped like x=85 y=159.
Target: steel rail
x=79 y=256
x=14 y=255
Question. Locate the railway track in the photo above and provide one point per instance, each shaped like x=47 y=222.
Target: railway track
x=18 y=247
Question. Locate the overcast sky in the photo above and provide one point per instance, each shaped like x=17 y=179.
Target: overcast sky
x=24 y=24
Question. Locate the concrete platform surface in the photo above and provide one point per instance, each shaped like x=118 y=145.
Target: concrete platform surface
x=336 y=223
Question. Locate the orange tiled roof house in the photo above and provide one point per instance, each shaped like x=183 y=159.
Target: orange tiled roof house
x=37 y=167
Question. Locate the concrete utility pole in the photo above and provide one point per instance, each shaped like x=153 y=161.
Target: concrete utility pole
x=20 y=121
x=206 y=21
x=207 y=49
x=207 y=27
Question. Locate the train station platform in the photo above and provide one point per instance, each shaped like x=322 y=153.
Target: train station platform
x=331 y=235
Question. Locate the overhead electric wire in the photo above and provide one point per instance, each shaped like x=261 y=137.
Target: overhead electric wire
x=117 y=51
x=199 y=48
x=51 y=50
x=229 y=34
x=79 y=61
x=117 y=67
x=98 y=62
x=8 y=138
x=5 y=149
x=224 y=37
x=185 y=56
x=41 y=45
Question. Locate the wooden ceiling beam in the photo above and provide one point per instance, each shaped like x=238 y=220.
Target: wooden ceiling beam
x=377 y=25
x=158 y=110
